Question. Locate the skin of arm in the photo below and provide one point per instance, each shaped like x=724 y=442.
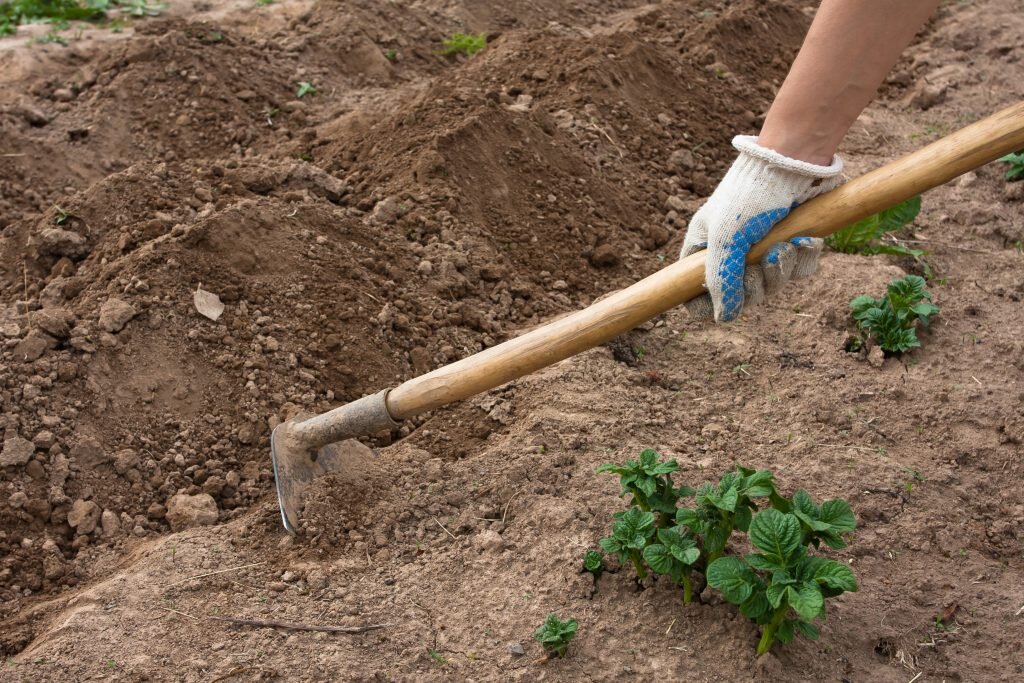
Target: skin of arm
x=851 y=46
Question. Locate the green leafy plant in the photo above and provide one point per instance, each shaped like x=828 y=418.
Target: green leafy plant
x=15 y=12
x=649 y=481
x=555 y=634
x=863 y=236
x=780 y=587
x=593 y=562
x=52 y=37
x=391 y=55
x=893 y=319
x=466 y=43
x=1016 y=161
x=722 y=508
x=305 y=88
x=674 y=555
x=822 y=524
x=60 y=12
x=631 y=532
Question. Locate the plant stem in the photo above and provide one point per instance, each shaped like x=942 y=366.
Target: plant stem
x=687 y=588
x=638 y=564
x=768 y=637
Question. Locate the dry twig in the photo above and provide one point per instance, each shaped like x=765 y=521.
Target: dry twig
x=219 y=571
x=445 y=528
x=260 y=623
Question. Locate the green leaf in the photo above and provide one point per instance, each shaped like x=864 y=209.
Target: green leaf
x=809 y=631
x=733 y=578
x=688 y=517
x=775 y=533
x=760 y=484
x=743 y=517
x=858 y=238
x=784 y=634
x=593 y=562
x=805 y=599
x=774 y=594
x=634 y=528
x=849 y=239
x=836 y=575
x=837 y=515
x=896 y=217
x=763 y=563
x=1016 y=162
x=659 y=559
x=756 y=606
x=727 y=501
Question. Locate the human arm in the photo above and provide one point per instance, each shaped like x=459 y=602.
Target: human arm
x=851 y=46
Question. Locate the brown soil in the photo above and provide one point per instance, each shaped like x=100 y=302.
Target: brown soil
x=415 y=210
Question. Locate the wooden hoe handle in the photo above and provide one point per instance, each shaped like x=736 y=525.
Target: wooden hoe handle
x=939 y=162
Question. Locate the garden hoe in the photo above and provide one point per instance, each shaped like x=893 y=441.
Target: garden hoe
x=305 y=448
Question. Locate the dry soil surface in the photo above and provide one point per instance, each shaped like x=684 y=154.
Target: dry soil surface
x=419 y=208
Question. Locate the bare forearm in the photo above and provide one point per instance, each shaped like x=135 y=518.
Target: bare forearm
x=851 y=46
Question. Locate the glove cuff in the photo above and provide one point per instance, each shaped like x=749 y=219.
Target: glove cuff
x=747 y=144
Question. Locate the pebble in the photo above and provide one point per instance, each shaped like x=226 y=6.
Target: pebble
x=17 y=451
x=110 y=523
x=83 y=516
x=44 y=440
x=516 y=649
x=115 y=314
x=605 y=256
x=60 y=242
x=184 y=511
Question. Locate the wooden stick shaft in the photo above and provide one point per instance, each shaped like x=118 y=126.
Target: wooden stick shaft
x=880 y=189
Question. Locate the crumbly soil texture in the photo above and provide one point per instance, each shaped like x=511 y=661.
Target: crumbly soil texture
x=412 y=209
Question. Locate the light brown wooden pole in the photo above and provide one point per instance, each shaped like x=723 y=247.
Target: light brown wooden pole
x=939 y=162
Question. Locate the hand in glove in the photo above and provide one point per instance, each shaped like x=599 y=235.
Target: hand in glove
x=760 y=189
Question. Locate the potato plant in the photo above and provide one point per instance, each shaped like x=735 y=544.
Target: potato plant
x=649 y=481
x=555 y=634
x=893 y=320
x=781 y=587
x=593 y=562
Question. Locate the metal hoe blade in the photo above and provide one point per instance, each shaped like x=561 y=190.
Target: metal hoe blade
x=296 y=466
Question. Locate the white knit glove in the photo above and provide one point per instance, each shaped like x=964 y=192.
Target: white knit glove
x=760 y=189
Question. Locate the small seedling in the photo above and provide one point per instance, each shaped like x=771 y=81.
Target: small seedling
x=466 y=43
x=863 y=236
x=391 y=55
x=264 y=3
x=305 y=88
x=62 y=216
x=52 y=37
x=893 y=319
x=593 y=562
x=555 y=634
x=1016 y=161
x=437 y=656
x=779 y=579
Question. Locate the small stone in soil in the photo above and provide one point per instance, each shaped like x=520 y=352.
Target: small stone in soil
x=17 y=451
x=516 y=650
